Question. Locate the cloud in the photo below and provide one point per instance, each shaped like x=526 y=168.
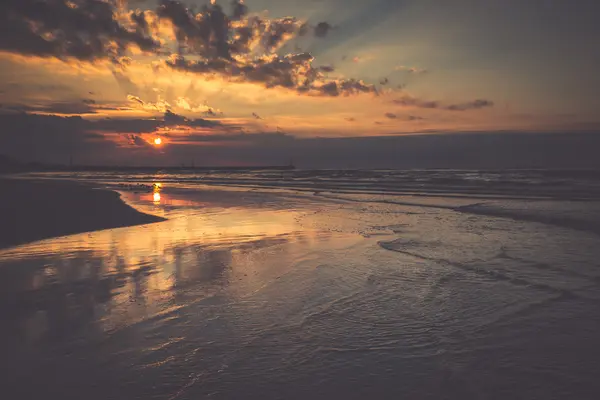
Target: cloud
x=292 y=71
x=46 y=138
x=85 y=30
x=161 y=105
x=245 y=51
x=240 y=137
x=164 y=107
x=472 y=105
x=174 y=119
x=171 y=118
x=240 y=47
x=129 y=125
x=53 y=138
x=188 y=105
x=412 y=70
x=390 y=115
x=139 y=19
x=211 y=33
x=30 y=137
x=239 y=10
x=410 y=101
x=204 y=33
x=136 y=140
x=64 y=108
x=322 y=29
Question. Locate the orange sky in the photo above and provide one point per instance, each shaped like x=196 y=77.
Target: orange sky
x=329 y=69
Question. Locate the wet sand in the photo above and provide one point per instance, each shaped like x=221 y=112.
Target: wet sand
x=35 y=210
x=279 y=295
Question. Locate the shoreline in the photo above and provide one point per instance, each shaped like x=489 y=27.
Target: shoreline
x=35 y=210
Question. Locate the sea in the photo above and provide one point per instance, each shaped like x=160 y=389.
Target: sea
x=303 y=284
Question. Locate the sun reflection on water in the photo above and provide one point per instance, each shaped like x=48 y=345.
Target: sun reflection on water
x=156 y=188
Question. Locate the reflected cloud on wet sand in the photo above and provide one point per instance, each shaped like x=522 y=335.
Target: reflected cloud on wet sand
x=104 y=281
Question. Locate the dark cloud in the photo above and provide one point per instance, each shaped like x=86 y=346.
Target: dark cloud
x=292 y=71
x=65 y=108
x=150 y=125
x=240 y=47
x=136 y=99
x=472 y=105
x=135 y=140
x=205 y=33
x=345 y=87
x=81 y=29
x=52 y=138
x=411 y=70
x=128 y=126
x=409 y=101
x=239 y=10
x=204 y=123
x=48 y=138
x=211 y=112
x=21 y=87
x=138 y=17
x=209 y=44
x=240 y=137
x=278 y=31
x=303 y=30
x=407 y=118
x=322 y=29
x=171 y=118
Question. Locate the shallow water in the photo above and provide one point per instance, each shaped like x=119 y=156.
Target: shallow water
x=293 y=295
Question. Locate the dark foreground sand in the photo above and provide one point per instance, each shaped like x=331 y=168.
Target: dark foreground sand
x=34 y=210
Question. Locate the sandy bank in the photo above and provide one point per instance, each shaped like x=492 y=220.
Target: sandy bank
x=35 y=210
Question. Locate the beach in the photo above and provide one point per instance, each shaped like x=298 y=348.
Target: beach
x=304 y=284
x=39 y=209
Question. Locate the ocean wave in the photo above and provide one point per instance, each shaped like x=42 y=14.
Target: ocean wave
x=545 y=184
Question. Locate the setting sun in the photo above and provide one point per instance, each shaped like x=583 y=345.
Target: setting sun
x=158 y=141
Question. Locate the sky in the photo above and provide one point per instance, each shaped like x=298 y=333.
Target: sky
x=268 y=81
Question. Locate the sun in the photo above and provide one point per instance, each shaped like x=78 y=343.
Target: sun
x=158 y=141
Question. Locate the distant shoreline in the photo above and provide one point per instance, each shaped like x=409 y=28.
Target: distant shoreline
x=95 y=168
x=42 y=209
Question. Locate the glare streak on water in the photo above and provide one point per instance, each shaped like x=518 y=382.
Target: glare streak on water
x=284 y=294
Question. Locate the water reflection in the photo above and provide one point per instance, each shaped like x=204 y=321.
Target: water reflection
x=102 y=281
x=156 y=188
